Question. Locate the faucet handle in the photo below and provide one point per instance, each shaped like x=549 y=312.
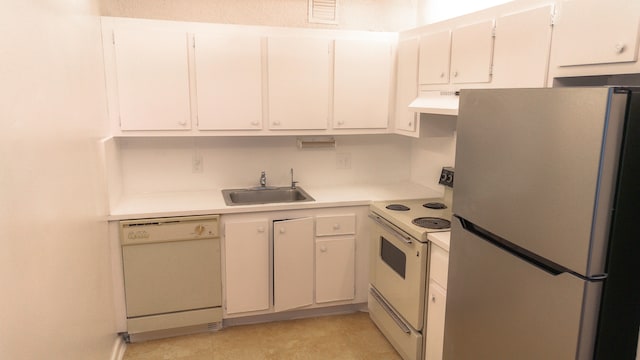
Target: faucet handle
x=293 y=183
x=263 y=178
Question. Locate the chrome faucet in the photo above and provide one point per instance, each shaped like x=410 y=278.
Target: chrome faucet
x=293 y=183
x=263 y=179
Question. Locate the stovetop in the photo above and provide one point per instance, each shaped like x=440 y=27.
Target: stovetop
x=402 y=214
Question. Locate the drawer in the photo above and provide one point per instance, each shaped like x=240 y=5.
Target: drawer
x=439 y=267
x=336 y=225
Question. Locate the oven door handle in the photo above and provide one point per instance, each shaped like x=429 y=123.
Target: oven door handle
x=387 y=225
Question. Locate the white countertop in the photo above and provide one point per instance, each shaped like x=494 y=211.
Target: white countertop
x=440 y=238
x=211 y=201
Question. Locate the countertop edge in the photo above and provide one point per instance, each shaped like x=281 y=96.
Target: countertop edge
x=189 y=203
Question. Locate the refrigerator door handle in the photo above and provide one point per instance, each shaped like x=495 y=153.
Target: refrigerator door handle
x=546 y=265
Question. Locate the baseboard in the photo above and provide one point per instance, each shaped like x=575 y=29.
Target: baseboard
x=295 y=314
x=119 y=347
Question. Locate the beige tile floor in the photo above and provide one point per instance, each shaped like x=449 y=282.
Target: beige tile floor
x=338 y=337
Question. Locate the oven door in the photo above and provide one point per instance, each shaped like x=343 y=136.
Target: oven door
x=398 y=270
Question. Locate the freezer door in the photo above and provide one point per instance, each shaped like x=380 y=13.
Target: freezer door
x=502 y=307
x=537 y=167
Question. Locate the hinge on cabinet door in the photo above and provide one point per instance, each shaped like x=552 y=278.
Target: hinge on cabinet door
x=113 y=37
x=554 y=16
x=194 y=42
x=493 y=31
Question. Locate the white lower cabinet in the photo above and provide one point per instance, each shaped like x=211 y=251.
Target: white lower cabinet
x=335 y=269
x=335 y=257
x=292 y=263
x=246 y=257
x=435 y=324
x=436 y=303
x=300 y=259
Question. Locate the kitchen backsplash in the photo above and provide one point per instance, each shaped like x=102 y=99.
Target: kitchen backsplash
x=150 y=165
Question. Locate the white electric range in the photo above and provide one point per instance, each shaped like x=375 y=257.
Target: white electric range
x=399 y=266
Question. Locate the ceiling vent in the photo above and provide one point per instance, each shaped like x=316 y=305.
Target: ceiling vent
x=323 y=11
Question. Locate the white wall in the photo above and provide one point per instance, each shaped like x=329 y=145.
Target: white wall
x=57 y=299
x=431 y=11
x=157 y=165
x=373 y=15
x=434 y=150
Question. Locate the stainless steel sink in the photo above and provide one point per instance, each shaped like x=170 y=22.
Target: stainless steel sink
x=264 y=195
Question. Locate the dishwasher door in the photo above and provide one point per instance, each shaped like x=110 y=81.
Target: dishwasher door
x=171 y=272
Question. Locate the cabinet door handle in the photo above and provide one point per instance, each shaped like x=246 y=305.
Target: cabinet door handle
x=260 y=229
x=282 y=230
x=323 y=249
x=336 y=226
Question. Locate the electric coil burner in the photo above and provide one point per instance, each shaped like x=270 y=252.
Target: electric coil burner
x=401 y=213
x=398 y=207
x=432 y=223
x=435 y=205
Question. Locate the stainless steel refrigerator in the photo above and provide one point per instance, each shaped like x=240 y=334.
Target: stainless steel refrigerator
x=545 y=243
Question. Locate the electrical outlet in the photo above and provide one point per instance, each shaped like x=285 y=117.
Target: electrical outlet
x=343 y=161
x=197 y=164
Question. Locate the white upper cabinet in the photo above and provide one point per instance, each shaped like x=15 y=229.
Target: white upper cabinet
x=152 y=75
x=471 y=53
x=228 y=72
x=298 y=72
x=435 y=55
x=362 y=72
x=462 y=55
x=406 y=84
x=597 y=32
x=522 y=45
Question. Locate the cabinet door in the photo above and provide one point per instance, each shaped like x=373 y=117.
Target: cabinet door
x=435 y=55
x=406 y=84
x=597 y=32
x=436 y=302
x=228 y=82
x=292 y=263
x=335 y=269
x=471 y=52
x=522 y=46
x=361 y=84
x=298 y=83
x=152 y=71
x=246 y=256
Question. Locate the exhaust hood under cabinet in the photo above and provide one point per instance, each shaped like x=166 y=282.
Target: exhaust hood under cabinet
x=436 y=102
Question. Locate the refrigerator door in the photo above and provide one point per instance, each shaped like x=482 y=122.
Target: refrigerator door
x=501 y=307
x=537 y=167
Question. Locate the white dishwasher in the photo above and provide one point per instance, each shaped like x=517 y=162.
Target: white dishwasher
x=172 y=275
